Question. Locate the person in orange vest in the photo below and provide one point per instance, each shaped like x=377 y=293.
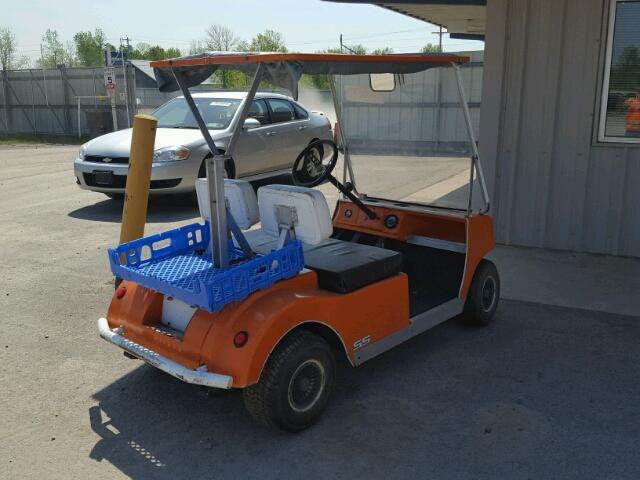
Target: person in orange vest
x=633 y=116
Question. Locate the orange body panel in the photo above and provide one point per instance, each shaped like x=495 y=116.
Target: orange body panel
x=410 y=222
x=480 y=242
x=374 y=311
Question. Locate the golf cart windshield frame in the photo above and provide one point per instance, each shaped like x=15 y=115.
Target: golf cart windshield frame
x=285 y=70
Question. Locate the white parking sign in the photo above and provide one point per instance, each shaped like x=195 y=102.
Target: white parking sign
x=109 y=78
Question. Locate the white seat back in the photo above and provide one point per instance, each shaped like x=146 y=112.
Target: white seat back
x=313 y=224
x=241 y=200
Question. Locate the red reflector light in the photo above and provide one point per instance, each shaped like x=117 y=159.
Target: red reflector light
x=240 y=339
x=121 y=291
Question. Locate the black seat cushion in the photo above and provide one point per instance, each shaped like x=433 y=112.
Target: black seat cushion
x=345 y=266
x=341 y=266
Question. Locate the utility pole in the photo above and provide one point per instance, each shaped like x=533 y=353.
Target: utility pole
x=344 y=47
x=124 y=75
x=126 y=39
x=440 y=33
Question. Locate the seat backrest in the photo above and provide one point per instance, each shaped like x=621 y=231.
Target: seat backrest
x=241 y=199
x=313 y=220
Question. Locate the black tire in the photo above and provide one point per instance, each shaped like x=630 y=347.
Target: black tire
x=295 y=385
x=484 y=295
x=229 y=168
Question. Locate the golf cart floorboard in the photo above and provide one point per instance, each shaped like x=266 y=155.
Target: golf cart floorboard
x=434 y=274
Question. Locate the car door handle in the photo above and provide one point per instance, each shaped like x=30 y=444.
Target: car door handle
x=303 y=127
x=271 y=134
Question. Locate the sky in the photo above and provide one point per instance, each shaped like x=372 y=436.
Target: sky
x=307 y=25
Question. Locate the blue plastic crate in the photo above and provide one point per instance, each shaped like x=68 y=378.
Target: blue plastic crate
x=177 y=263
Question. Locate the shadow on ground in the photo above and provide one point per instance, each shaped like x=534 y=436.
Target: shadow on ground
x=161 y=209
x=545 y=392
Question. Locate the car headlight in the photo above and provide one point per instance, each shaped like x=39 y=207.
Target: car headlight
x=82 y=151
x=170 y=154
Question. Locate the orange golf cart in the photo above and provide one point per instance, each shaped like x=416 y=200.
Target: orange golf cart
x=224 y=304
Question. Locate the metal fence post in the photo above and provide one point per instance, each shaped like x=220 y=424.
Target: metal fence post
x=68 y=107
x=33 y=108
x=6 y=103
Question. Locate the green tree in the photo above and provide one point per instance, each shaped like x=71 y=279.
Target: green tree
x=382 y=51
x=8 y=47
x=268 y=41
x=70 y=57
x=219 y=38
x=144 y=51
x=53 y=51
x=90 y=48
x=358 y=49
x=625 y=73
x=156 y=52
x=173 y=52
x=430 y=48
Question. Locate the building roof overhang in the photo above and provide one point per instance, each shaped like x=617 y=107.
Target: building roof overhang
x=465 y=19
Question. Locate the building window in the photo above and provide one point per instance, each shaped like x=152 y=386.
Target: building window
x=620 y=112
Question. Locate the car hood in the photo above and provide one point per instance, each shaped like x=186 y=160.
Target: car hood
x=118 y=144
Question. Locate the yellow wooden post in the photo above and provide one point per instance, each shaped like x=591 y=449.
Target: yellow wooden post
x=136 y=197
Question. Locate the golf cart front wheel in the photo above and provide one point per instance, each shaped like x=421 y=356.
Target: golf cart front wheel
x=484 y=295
x=295 y=385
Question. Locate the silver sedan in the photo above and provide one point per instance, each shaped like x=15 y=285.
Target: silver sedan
x=275 y=132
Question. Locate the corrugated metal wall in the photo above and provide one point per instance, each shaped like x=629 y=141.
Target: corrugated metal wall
x=553 y=185
x=37 y=102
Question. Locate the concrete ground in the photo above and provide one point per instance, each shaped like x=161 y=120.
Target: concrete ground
x=549 y=390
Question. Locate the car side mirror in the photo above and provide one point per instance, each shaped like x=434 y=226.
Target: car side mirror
x=251 y=123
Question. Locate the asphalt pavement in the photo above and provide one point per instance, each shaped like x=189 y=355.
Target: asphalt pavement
x=546 y=391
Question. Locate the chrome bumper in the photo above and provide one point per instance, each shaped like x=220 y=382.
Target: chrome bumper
x=197 y=377
x=159 y=171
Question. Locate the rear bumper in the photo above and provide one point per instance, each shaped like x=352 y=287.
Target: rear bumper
x=197 y=377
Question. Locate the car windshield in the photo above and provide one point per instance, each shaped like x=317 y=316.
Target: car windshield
x=216 y=112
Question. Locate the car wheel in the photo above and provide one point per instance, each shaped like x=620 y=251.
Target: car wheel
x=229 y=168
x=484 y=295
x=295 y=385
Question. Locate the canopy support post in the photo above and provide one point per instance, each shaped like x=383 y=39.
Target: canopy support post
x=476 y=155
x=347 y=156
x=244 y=110
x=215 y=178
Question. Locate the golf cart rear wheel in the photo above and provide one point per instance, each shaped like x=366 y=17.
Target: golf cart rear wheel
x=484 y=295
x=295 y=385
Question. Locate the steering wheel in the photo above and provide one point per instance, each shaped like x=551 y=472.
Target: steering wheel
x=315 y=163
x=314 y=166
